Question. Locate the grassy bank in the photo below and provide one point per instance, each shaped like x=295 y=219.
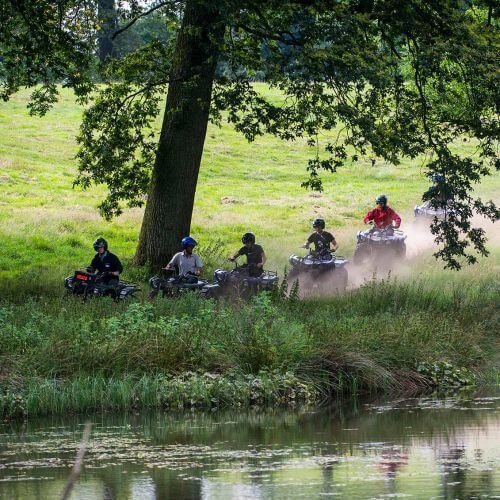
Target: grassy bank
x=60 y=355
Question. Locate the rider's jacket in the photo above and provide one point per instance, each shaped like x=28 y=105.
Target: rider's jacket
x=321 y=241
x=108 y=262
x=383 y=217
x=254 y=256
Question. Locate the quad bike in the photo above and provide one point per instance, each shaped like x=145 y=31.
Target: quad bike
x=239 y=282
x=90 y=284
x=378 y=243
x=427 y=212
x=170 y=284
x=323 y=267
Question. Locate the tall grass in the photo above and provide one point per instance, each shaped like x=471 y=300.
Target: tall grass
x=65 y=355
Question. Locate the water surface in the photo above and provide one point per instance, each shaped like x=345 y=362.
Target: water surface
x=408 y=448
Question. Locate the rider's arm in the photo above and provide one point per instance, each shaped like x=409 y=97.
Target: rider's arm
x=118 y=265
x=94 y=265
x=369 y=216
x=263 y=261
x=396 y=218
x=173 y=262
x=309 y=241
x=334 y=245
x=199 y=265
x=241 y=251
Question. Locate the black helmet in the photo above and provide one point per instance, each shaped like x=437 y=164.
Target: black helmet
x=99 y=243
x=248 y=238
x=382 y=199
x=319 y=223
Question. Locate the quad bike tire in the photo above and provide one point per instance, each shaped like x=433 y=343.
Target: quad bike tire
x=401 y=251
x=332 y=280
x=361 y=254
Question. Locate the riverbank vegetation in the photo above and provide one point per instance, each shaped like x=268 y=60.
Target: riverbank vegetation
x=61 y=355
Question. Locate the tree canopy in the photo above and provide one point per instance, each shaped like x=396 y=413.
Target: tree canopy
x=390 y=78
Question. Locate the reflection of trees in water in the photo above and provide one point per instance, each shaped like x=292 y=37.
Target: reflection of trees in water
x=391 y=460
x=274 y=426
x=459 y=478
x=260 y=439
x=453 y=466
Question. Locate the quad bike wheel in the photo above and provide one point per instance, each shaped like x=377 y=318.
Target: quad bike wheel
x=339 y=279
x=361 y=254
x=292 y=275
x=401 y=251
x=332 y=280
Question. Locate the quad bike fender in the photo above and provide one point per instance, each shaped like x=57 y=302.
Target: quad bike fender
x=211 y=290
x=340 y=262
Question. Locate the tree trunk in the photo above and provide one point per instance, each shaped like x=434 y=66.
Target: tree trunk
x=108 y=24
x=167 y=217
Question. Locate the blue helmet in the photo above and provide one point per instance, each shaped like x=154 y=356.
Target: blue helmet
x=188 y=242
x=437 y=178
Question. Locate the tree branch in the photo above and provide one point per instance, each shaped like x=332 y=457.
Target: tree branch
x=144 y=14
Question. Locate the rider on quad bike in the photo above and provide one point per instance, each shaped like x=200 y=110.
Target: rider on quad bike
x=188 y=263
x=101 y=278
x=381 y=243
x=383 y=216
x=324 y=242
x=256 y=258
x=106 y=263
x=439 y=200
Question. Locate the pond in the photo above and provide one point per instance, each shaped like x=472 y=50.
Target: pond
x=406 y=448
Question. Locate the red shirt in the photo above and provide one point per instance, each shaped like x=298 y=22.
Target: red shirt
x=383 y=217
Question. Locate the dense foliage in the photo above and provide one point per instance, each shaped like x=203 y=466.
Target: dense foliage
x=394 y=79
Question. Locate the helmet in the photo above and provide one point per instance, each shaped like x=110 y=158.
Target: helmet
x=382 y=199
x=437 y=178
x=188 y=242
x=99 y=243
x=248 y=238
x=319 y=223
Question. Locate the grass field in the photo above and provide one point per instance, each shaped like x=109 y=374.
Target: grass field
x=47 y=226
x=373 y=335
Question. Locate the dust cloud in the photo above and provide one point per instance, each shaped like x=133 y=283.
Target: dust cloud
x=420 y=246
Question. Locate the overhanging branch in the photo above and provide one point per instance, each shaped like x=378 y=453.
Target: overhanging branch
x=143 y=14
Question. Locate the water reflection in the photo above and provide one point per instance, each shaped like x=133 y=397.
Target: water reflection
x=422 y=448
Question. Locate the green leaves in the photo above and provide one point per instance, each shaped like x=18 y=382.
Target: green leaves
x=118 y=144
x=386 y=79
x=44 y=42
